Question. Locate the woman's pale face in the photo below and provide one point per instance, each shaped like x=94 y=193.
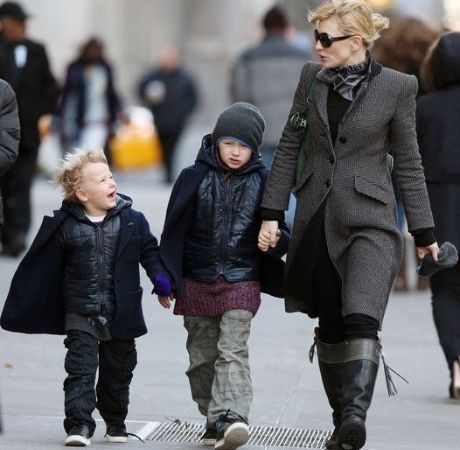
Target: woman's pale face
x=341 y=53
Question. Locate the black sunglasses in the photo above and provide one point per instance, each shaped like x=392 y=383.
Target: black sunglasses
x=326 y=40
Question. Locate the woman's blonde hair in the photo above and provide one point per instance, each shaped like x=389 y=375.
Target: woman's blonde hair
x=354 y=18
x=69 y=176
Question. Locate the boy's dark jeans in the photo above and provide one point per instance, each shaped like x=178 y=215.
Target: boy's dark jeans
x=116 y=361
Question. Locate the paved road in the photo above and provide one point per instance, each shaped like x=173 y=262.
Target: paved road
x=287 y=390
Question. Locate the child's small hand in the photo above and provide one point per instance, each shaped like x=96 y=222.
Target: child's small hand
x=165 y=301
x=269 y=235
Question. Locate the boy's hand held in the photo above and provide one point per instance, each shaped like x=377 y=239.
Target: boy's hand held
x=162 y=285
x=166 y=301
x=269 y=234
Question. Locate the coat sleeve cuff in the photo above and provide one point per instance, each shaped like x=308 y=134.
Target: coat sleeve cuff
x=423 y=237
x=271 y=214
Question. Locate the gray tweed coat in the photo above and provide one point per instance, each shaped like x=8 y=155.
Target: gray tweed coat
x=359 y=217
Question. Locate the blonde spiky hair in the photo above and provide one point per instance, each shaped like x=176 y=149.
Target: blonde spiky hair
x=354 y=18
x=69 y=176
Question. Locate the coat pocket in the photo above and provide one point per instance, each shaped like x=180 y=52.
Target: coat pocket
x=132 y=309
x=369 y=189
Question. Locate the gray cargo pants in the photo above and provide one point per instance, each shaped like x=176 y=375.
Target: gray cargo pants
x=219 y=374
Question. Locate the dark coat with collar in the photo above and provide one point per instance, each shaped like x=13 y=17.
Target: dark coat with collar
x=179 y=216
x=34 y=303
x=438 y=133
x=363 y=240
x=34 y=84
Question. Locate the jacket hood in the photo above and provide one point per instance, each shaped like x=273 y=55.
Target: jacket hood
x=208 y=155
x=446 y=60
x=76 y=210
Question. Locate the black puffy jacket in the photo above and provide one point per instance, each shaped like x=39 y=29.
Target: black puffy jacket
x=90 y=258
x=222 y=237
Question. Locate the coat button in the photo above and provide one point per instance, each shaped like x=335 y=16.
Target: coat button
x=328 y=183
x=332 y=159
x=342 y=139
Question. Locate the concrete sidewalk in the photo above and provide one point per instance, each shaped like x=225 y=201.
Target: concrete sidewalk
x=287 y=388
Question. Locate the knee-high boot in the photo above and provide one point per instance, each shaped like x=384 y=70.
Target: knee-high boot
x=331 y=363
x=360 y=368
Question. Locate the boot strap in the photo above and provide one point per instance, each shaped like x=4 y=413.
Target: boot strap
x=391 y=387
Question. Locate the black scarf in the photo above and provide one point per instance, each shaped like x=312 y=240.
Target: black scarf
x=347 y=80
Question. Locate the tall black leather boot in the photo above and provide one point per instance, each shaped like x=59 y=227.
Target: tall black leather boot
x=331 y=362
x=359 y=373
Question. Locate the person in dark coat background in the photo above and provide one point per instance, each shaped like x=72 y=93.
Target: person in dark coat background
x=89 y=104
x=438 y=132
x=403 y=47
x=24 y=65
x=9 y=137
x=169 y=91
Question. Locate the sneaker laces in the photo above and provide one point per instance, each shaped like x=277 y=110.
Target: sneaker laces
x=231 y=416
x=127 y=434
x=136 y=436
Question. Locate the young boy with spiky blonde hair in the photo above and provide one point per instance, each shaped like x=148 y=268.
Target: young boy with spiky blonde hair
x=81 y=277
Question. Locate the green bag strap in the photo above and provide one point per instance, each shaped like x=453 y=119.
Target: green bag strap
x=299 y=120
x=311 y=92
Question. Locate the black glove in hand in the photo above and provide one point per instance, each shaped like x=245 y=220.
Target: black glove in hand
x=447 y=258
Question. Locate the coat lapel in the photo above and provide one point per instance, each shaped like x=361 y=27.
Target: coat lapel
x=321 y=101
x=126 y=230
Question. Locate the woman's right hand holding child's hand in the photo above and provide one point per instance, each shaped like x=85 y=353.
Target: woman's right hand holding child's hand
x=269 y=235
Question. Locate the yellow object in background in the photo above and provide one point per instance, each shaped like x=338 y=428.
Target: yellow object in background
x=136 y=144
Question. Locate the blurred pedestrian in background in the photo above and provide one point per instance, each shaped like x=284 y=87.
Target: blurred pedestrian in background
x=402 y=47
x=9 y=138
x=266 y=75
x=438 y=132
x=90 y=104
x=24 y=65
x=346 y=249
x=9 y=134
x=169 y=91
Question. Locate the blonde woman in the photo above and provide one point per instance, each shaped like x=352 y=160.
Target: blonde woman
x=346 y=249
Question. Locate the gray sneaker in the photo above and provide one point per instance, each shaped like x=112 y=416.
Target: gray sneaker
x=232 y=431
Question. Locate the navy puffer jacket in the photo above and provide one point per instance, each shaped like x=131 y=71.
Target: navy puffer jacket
x=90 y=257
x=222 y=237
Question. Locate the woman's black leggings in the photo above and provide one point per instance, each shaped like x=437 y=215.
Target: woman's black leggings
x=333 y=327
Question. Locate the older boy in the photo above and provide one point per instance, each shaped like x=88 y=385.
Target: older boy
x=81 y=277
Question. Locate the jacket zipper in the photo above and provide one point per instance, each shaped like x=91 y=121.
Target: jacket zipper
x=100 y=258
x=225 y=234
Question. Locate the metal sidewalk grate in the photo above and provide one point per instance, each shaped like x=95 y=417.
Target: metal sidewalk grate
x=190 y=433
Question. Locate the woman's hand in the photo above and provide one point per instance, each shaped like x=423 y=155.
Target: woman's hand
x=432 y=250
x=269 y=235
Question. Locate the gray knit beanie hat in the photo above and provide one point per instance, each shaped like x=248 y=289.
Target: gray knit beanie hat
x=242 y=122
